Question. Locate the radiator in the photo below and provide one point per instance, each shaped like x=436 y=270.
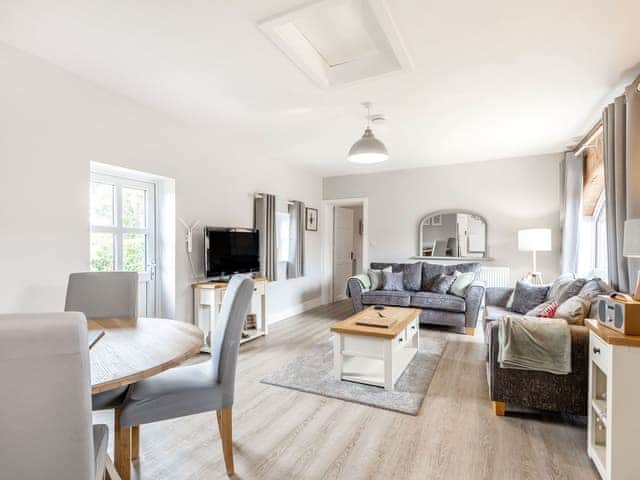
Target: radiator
x=495 y=276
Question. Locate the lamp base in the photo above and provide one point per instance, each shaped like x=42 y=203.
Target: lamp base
x=535 y=278
x=636 y=294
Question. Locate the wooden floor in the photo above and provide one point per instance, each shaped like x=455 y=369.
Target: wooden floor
x=284 y=434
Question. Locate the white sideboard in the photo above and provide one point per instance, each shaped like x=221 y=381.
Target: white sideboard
x=614 y=399
x=207 y=300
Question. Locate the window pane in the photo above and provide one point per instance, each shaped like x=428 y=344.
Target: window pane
x=134 y=252
x=101 y=204
x=133 y=208
x=283 y=225
x=101 y=252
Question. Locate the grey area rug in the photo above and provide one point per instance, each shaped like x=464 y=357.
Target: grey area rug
x=312 y=373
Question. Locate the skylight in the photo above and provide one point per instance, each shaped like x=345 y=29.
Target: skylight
x=337 y=42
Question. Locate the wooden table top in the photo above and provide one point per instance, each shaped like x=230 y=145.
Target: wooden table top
x=134 y=349
x=403 y=316
x=612 y=337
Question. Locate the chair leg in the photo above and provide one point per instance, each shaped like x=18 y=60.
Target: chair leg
x=122 y=448
x=498 y=408
x=135 y=442
x=469 y=331
x=224 y=426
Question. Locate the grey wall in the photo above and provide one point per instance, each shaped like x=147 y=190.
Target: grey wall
x=510 y=194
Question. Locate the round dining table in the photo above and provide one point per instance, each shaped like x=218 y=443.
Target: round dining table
x=131 y=350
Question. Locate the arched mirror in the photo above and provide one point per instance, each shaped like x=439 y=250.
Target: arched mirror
x=453 y=234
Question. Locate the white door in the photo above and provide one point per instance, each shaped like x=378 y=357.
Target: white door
x=123 y=232
x=342 y=251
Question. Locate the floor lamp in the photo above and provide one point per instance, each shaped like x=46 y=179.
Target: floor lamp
x=534 y=240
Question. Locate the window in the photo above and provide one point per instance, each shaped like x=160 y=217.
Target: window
x=600 y=237
x=283 y=226
x=122 y=223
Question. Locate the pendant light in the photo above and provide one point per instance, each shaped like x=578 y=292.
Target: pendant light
x=368 y=149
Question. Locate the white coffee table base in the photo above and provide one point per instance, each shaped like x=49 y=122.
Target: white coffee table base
x=374 y=360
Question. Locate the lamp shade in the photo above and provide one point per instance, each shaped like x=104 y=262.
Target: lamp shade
x=631 y=240
x=534 y=240
x=368 y=149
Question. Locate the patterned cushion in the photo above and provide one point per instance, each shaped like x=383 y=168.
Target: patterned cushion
x=570 y=290
x=412 y=275
x=431 y=270
x=438 y=301
x=383 y=297
x=376 y=278
x=460 y=283
x=392 y=281
x=544 y=310
x=442 y=283
x=527 y=296
x=574 y=310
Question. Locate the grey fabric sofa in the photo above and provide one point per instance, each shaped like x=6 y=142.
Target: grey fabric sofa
x=534 y=389
x=437 y=309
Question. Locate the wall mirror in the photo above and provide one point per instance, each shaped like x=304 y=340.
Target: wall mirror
x=453 y=234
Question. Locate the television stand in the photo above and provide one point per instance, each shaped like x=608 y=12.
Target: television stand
x=207 y=300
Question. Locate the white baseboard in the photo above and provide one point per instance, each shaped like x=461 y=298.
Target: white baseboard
x=295 y=310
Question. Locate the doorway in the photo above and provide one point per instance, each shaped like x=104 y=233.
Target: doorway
x=345 y=245
x=123 y=229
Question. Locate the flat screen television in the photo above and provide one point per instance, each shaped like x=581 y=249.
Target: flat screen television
x=230 y=250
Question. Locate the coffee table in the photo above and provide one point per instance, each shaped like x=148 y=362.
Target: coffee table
x=375 y=355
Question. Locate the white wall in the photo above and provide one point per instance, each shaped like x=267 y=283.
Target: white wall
x=510 y=194
x=53 y=123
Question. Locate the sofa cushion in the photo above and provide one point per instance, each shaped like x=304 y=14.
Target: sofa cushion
x=558 y=285
x=527 y=296
x=591 y=290
x=431 y=270
x=574 y=310
x=461 y=282
x=438 y=301
x=493 y=313
x=392 y=281
x=395 y=267
x=570 y=290
x=375 y=276
x=442 y=283
x=412 y=275
x=383 y=297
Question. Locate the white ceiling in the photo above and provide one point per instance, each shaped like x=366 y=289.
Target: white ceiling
x=492 y=79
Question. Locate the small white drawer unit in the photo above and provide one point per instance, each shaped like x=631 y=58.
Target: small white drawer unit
x=614 y=402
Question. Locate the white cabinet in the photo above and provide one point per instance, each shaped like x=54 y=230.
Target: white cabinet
x=614 y=403
x=207 y=300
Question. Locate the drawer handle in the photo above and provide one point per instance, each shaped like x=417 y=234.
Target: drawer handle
x=596 y=350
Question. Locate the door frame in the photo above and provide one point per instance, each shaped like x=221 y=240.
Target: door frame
x=327 y=222
x=122 y=176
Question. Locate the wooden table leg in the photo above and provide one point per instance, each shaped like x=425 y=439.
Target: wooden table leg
x=122 y=448
x=135 y=442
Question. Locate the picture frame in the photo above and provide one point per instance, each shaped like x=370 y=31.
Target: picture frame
x=436 y=220
x=311 y=219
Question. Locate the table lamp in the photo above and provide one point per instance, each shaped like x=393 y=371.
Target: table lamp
x=631 y=247
x=535 y=240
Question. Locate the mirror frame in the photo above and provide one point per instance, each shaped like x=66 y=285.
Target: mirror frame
x=449 y=211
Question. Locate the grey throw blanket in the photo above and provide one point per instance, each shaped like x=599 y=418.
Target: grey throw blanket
x=532 y=343
x=364 y=280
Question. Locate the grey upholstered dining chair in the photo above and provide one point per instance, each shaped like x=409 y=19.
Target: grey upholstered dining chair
x=197 y=388
x=104 y=295
x=45 y=419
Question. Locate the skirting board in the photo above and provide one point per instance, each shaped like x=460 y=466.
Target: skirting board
x=296 y=310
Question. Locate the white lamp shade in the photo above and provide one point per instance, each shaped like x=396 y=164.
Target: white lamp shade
x=534 y=240
x=368 y=149
x=631 y=239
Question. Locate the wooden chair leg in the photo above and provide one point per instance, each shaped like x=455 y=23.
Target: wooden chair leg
x=224 y=426
x=498 y=408
x=122 y=449
x=135 y=442
x=469 y=331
